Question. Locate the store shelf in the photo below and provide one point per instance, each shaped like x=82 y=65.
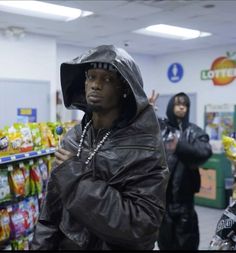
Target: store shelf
x=27 y=155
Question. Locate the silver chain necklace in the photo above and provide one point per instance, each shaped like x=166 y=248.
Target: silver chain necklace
x=92 y=153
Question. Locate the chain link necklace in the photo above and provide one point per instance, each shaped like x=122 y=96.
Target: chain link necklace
x=93 y=152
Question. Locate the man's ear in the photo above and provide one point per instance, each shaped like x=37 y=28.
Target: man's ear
x=127 y=90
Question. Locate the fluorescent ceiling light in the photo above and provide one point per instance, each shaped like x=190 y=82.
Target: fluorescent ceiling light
x=42 y=10
x=172 y=32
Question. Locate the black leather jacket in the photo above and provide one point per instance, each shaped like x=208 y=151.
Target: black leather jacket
x=117 y=201
x=193 y=149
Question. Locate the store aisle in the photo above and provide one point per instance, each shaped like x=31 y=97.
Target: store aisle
x=208 y=218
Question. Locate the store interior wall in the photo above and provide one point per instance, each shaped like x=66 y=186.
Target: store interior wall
x=193 y=63
x=33 y=59
x=38 y=58
x=154 y=72
x=38 y=100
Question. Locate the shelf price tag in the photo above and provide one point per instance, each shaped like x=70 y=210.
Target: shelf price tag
x=10 y=167
x=9 y=209
x=13 y=158
x=21 y=165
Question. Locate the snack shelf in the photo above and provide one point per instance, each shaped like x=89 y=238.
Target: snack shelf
x=27 y=155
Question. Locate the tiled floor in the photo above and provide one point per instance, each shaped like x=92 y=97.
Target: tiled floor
x=208 y=218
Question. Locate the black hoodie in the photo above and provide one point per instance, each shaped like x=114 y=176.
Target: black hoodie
x=117 y=201
x=172 y=119
x=192 y=150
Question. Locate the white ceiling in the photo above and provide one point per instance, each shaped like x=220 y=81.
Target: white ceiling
x=114 y=20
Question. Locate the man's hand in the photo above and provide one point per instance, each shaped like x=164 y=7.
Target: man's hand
x=171 y=145
x=62 y=155
x=152 y=100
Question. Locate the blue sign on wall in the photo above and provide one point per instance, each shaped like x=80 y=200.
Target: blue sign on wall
x=25 y=115
x=175 y=72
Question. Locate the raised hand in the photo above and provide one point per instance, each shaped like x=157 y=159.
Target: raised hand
x=153 y=98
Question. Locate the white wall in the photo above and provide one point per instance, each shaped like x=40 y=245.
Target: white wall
x=193 y=63
x=154 y=72
x=32 y=58
x=38 y=58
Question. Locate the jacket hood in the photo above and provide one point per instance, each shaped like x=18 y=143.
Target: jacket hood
x=170 y=111
x=73 y=77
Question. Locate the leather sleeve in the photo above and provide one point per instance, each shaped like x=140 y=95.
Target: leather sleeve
x=193 y=147
x=46 y=232
x=127 y=217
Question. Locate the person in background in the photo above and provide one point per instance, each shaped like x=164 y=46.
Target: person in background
x=187 y=147
x=107 y=188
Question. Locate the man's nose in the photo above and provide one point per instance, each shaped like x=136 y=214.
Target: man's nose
x=96 y=84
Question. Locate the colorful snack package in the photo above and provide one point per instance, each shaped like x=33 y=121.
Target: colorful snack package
x=20 y=244
x=33 y=206
x=17 y=182
x=26 y=173
x=17 y=222
x=47 y=136
x=36 y=178
x=27 y=139
x=4 y=143
x=5 y=192
x=15 y=139
x=4 y=225
x=36 y=135
x=44 y=173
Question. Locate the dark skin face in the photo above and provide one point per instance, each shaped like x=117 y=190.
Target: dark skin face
x=103 y=91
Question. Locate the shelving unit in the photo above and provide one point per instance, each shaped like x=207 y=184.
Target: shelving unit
x=8 y=162
x=28 y=155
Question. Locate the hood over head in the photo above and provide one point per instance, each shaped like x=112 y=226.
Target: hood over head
x=73 y=77
x=170 y=111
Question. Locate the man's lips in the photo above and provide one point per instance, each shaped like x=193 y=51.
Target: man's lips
x=94 y=97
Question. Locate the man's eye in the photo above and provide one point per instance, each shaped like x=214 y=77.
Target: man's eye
x=107 y=79
x=89 y=77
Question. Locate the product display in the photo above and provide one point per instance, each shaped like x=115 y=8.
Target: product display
x=22 y=187
x=225 y=234
x=229 y=144
x=25 y=137
x=26 y=155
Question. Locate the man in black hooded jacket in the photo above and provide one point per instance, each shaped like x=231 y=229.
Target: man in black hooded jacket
x=107 y=190
x=187 y=147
